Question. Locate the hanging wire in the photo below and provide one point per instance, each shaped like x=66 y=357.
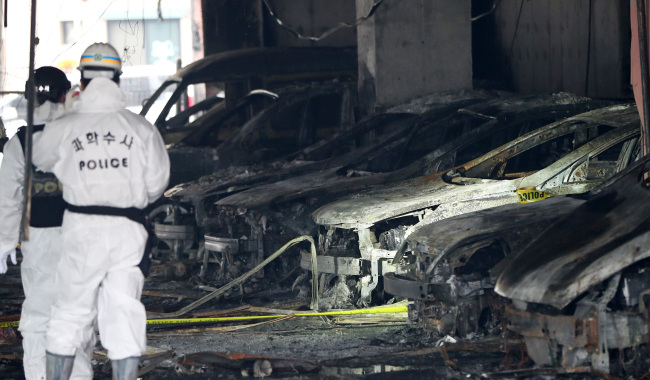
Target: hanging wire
x=341 y=25
x=87 y=30
x=495 y=4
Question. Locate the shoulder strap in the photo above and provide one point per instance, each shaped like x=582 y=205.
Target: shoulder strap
x=22 y=131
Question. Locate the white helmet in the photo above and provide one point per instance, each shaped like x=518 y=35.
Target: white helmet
x=100 y=59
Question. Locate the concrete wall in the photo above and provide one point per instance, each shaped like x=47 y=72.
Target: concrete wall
x=236 y=24
x=231 y=24
x=310 y=18
x=411 y=48
x=578 y=46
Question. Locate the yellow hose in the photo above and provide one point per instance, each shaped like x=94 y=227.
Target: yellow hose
x=378 y=310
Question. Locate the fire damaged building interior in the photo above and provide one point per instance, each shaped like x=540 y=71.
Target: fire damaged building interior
x=371 y=189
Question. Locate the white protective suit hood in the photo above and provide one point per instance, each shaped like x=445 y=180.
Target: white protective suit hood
x=48 y=111
x=101 y=95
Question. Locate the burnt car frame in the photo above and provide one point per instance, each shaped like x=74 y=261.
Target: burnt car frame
x=378 y=221
x=449 y=268
x=579 y=292
x=252 y=68
x=240 y=85
x=296 y=117
x=189 y=203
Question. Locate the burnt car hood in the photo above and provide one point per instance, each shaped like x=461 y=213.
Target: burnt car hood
x=514 y=225
x=409 y=196
x=601 y=237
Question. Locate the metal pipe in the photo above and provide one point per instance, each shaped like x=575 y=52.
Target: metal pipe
x=27 y=188
x=645 y=73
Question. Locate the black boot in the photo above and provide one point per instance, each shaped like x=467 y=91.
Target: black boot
x=58 y=367
x=125 y=369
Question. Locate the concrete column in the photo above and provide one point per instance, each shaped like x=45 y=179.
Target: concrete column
x=231 y=24
x=411 y=48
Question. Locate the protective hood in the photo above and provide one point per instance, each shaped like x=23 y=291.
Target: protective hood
x=47 y=111
x=101 y=95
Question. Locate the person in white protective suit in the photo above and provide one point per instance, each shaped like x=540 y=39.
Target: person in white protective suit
x=42 y=251
x=112 y=164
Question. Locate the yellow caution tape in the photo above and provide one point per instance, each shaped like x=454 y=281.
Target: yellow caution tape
x=378 y=310
x=530 y=194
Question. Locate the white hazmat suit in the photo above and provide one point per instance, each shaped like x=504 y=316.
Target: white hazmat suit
x=40 y=255
x=104 y=155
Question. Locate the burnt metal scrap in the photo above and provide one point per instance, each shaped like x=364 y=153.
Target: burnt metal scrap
x=251 y=365
x=580 y=290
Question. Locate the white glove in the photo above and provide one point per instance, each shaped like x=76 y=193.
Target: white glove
x=3 y=260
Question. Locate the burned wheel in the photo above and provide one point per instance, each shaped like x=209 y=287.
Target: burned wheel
x=175 y=229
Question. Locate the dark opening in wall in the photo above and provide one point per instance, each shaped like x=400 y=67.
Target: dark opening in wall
x=488 y=65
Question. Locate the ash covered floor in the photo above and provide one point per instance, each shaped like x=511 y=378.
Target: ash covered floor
x=358 y=346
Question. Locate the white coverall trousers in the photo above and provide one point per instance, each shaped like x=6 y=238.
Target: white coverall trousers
x=98 y=275
x=41 y=255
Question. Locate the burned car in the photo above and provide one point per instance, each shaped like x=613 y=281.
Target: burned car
x=297 y=117
x=214 y=121
x=251 y=68
x=187 y=213
x=276 y=212
x=449 y=268
x=361 y=233
x=579 y=292
x=240 y=85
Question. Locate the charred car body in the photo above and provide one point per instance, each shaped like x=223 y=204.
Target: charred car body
x=570 y=156
x=252 y=68
x=192 y=202
x=296 y=118
x=579 y=292
x=241 y=85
